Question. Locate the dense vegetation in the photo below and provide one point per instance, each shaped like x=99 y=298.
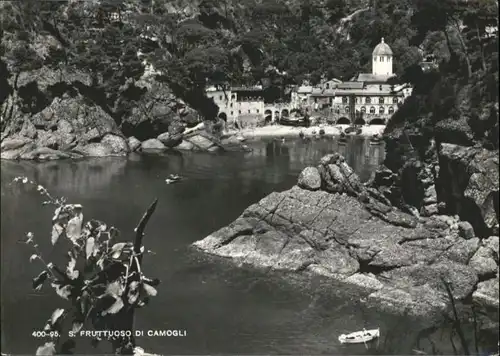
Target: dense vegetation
x=272 y=42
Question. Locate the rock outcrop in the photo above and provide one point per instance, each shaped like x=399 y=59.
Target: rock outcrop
x=69 y=128
x=350 y=232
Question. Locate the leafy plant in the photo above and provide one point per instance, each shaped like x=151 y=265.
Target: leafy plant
x=102 y=280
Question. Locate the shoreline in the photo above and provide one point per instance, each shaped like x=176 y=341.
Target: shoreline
x=312 y=131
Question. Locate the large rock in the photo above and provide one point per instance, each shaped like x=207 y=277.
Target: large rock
x=310 y=179
x=483 y=262
x=355 y=237
x=200 y=142
x=487 y=293
x=117 y=143
x=152 y=145
x=170 y=139
x=468 y=184
x=133 y=143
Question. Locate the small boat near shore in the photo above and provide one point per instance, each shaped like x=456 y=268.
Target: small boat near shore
x=173 y=178
x=359 y=337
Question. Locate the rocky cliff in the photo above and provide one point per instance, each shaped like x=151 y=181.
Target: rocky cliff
x=333 y=225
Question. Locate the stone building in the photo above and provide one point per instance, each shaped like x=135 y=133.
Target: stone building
x=238 y=102
x=366 y=99
x=369 y=98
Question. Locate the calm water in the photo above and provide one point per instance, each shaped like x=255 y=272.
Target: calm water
x=222 y=308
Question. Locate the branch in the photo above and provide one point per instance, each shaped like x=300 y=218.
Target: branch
x=139 y=230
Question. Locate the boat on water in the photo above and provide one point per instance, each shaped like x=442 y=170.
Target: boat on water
x=359 y=337
x=173 y=178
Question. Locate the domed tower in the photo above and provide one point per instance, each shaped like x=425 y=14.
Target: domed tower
x=382 y=59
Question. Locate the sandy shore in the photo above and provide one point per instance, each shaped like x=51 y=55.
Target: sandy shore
x=290 y=131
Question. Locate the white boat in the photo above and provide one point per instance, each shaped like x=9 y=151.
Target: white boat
x=359 y=337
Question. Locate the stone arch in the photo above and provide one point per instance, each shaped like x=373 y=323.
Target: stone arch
x=363 y=109
x=343 y=121
x=276 y=115
x=223 y=116
x=268 y=116
x=359 y=121
x=377 y=121
x=285 y=113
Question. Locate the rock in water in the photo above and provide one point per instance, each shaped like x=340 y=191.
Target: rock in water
x=325 y=231
x=153 y=145
x=310 y=179
x=133 y=143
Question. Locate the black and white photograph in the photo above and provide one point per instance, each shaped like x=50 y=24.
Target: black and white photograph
x=249 y=177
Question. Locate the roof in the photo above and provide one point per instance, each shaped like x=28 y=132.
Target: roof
x=372 y=78
x=321 y=92
x=367 y=92
x=382 y=49
x=255 y=88
x=350 y=85
x=305 y=89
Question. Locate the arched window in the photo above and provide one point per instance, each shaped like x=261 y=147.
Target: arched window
x=381 y=58
x=381 y=100
x=372 y=110
x=327 y=85
x=233 y=97
x=381 y=110
x=347 y=109
x=391 y=110
x=363 y=109
x=345 y=99
x=395 y=100
x=368 y=100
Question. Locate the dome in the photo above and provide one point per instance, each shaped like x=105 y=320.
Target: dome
x=382 y=49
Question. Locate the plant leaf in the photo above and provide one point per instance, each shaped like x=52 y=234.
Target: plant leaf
x=40 y=279
x=74 y=227
x=48 y=349
x=63 y=292
x=133 y=292
x=70 y=270
x=57 y=230
x=115 y=288
x=56 y=315
x=90 y=249
x=150 y=290
x=117 y=249
x=114 y=308
x=77 y=326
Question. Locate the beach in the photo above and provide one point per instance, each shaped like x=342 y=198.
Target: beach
x=291 y=131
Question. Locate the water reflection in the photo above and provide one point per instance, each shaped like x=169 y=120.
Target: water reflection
x=225 y=310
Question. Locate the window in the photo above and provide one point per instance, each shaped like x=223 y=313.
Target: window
x=233 y=97
x=239 y=111
x=381 y=110
x=346 y=109
x=372 y=110
x=257 y=111
x=249 y=111
x=220 y=97
x=231 y=105
x=345 y=99
x=380 y=87
x=368 y=100
x=232 y=113
x=327 y=85
x=381 y=58
x=363 y=109
x=391 y=110
x=395 y=100
x=381 y=100
x=375 y=59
